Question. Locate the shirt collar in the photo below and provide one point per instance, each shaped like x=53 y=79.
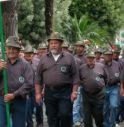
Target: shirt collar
x=61 y=54
x=82 y=54
x=91 y=66
x=16 y=60
x=109 y=63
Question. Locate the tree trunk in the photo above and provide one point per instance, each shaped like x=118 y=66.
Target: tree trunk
x=48 y=16
x=10 y=18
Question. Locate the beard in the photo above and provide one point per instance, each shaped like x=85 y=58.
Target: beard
x=54 y=51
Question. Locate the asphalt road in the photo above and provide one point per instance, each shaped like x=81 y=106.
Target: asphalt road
x=46 y=125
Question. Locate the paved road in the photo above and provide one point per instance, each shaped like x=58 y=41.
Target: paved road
x=121 y=125
x=46 y=125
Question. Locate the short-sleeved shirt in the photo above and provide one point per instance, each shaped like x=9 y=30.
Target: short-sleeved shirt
x=82 y=57
x=120 y=62
x=112 y=70
x=57 y=73
x=100 y=60
x=122 y=75
x=20 y=77
x=92 y=78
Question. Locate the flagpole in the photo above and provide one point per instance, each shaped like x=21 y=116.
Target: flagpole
x=4 y=71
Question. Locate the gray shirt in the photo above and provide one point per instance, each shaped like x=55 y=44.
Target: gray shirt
x=92 y=78
x=120 y=62
x=122 y=75
x=82 y=57
x=57 y=73
x=100 y=60
x=20 y=77
x=112 y=70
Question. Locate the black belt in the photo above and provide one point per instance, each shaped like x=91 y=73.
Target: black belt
x=95 y=92
x=113 y=84
x=58 y=87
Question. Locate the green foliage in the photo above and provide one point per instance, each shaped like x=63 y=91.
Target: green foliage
x=97 y=20
x=106 y=12
x=25 y=17
x=31 y=20
x=86 y=29
x=61 y=18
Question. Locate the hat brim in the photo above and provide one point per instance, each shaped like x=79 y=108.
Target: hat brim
x=90 y=56
x=60 y=40
x=15 y=46
x=108 y=53
x=79 y=45
x=29 y=52
x=116 y=51
x=98 y=52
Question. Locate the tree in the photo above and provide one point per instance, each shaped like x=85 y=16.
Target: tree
x=32 y=21
x=10 y=18
x=38 y=33
x=84 y=29
x=25 y=18
x=48 y=16
x=106 y=12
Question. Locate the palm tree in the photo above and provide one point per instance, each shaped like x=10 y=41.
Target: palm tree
x=86 y=29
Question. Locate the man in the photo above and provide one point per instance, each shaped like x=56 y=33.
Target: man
x=65 y=47
x=58 y=71
x=42 y=49
x=28 y=55
x=20 y=82
x=77 y=106
x=80 y=51
x=98 y=53
x=122 y=96
x=116 y=54
x=92 y=80
x=111 y=103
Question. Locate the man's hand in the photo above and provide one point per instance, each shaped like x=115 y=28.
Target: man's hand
x=73 y=96
x=8 y=97
x=122 y=89
x=121 y=92
x=2 y=65
x=38 y=97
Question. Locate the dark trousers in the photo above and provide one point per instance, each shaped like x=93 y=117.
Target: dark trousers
x=18 y=112
x=58 y=107
x=31 y=104
x=120 y=116
x=39 y=113
x=122 y=109
x=30 y=107
x=93 y=108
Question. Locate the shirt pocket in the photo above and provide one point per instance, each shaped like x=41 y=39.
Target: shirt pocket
x=64 y=69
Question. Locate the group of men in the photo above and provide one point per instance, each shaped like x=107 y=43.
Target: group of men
x=88 y=86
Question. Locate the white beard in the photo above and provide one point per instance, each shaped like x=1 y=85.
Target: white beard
x=54 y=51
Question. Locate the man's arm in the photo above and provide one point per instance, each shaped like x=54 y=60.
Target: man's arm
x=39 y=83
x=122 y=83
x=76 y=80
x=25 y=88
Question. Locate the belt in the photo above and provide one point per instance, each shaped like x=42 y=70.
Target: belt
x=94 y=92
x=114 y=84
x=58 y=87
